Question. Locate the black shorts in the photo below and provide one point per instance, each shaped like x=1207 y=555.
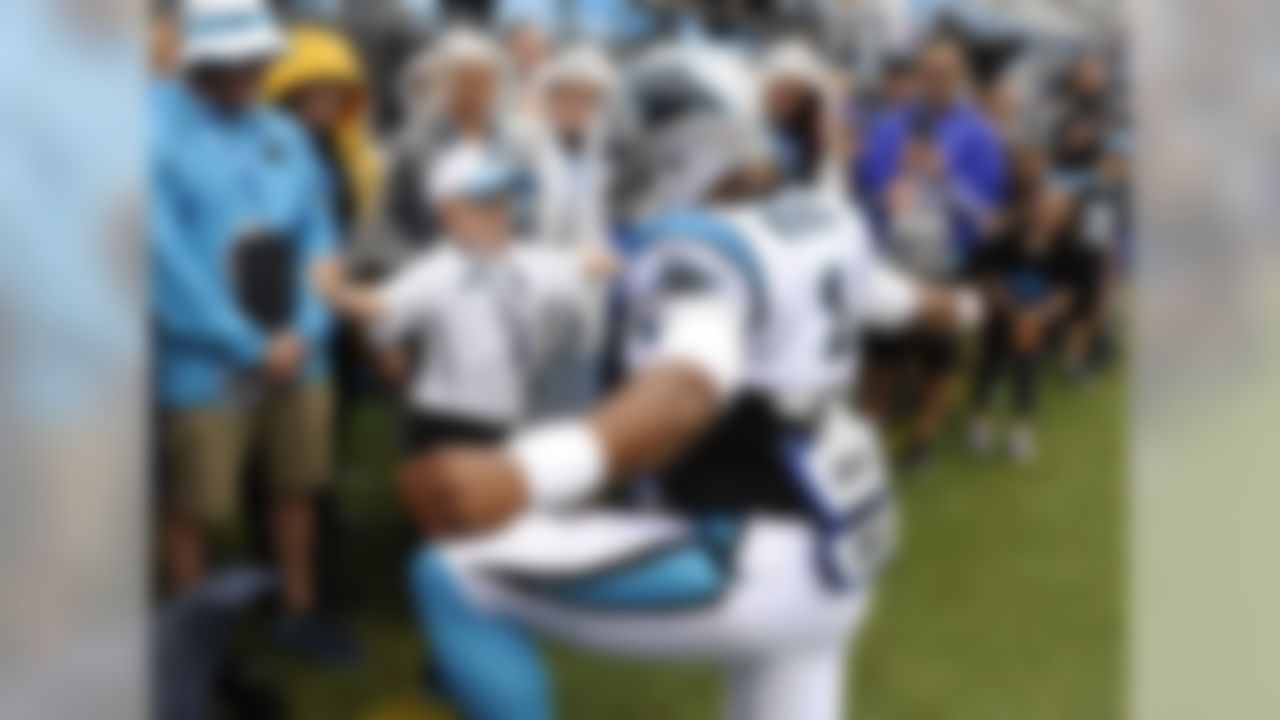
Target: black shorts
x=933 y=352
x=1088 y=284
x=424 y=431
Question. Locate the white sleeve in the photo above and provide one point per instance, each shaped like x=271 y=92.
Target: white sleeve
x=709 y=334
x=698 y=312
x=890 y=298
x=405 y=299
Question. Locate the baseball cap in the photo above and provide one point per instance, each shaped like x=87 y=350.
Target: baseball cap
x=472 y=171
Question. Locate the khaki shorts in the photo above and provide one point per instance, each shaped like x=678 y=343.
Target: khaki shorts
x=205 y=449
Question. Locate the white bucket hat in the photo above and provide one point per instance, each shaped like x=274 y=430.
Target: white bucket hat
x=228 y=32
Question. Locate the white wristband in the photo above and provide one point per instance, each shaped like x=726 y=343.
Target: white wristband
x=969 y=309
x=562 y=463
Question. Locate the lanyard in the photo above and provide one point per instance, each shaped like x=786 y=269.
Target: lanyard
x=505 y=286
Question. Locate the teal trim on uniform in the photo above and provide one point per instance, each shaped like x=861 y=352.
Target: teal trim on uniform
x=704 y=229
x=674 y=578
x=489 y=667
x=722 y=534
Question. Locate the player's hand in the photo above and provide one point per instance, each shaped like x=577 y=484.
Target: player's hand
x=599 y=262
x=285 y=354
x=462 y=491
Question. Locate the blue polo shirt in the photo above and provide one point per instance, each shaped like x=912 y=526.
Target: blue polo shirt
x=970 y=147
x=215 y=179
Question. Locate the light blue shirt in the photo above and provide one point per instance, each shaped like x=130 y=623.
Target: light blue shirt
x=215 y=179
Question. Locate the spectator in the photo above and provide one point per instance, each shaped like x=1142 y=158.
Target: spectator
x=933 y=173
x=800 y=101
x=239 y=210
x=456 y=93
x=1029 y=275
x=966 y=153
x=486 y=306
x=528 y=45
x=529 y=38
x=572 y=173
x=1087 y=145
x=920 y=363
x=1085 y=122
x=567 y=146
x=319 y=81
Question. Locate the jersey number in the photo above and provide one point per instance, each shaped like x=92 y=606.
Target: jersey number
x=833 y=301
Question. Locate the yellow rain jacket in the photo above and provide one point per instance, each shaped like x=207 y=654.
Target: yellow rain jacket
x=316 y=54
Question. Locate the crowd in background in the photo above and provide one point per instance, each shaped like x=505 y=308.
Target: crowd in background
x=406 y=145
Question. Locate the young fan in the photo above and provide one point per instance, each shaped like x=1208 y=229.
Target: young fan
x=489 y=309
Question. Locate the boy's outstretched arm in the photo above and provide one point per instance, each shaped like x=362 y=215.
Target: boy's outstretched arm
x=332 y=283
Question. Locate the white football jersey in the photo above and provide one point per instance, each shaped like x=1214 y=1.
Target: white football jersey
x=799 y=275
x=805 y=269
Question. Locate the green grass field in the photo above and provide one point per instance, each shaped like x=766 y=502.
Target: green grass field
x=1006 y=603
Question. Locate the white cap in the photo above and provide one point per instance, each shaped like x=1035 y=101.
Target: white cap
x=796 y=61
x=471 y=171
x=228 y=32
x=465 y=46
x=585 y=65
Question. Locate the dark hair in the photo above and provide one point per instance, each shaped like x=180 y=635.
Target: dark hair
x=800 y=128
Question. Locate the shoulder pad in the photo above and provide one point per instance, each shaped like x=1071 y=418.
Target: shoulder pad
x=705 y=230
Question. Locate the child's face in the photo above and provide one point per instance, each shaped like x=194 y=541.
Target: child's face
x=473 y=90
x=574 y=108
x=478 y=224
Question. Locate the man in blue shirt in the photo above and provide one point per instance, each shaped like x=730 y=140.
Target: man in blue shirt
x=933 y=174
x=966 y=155
x=239 y=213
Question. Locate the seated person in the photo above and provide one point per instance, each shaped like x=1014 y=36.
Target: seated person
x=1029 y=274
x=915 y=371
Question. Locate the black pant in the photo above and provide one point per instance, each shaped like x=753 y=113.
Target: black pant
x=427 y=431
x=997 y=358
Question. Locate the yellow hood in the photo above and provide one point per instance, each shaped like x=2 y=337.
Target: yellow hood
x=315 y=54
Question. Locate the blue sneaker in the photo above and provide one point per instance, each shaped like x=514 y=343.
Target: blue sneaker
x=317 y=640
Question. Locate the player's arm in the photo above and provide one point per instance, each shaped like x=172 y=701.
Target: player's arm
x=893 y=300
x=694 y=367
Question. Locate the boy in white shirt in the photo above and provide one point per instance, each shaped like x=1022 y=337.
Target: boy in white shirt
x=491 y=310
